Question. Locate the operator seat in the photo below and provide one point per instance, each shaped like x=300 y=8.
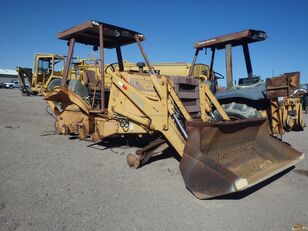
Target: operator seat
x=91 y=80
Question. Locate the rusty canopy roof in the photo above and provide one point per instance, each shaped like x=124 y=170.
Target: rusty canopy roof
x=88 y=33
x=235 y=39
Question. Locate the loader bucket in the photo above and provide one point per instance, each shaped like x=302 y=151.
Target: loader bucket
x=224 y=157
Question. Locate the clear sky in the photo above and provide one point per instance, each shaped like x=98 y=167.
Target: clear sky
x=170 y=28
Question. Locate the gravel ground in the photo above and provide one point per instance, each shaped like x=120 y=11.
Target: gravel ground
x=52 y=182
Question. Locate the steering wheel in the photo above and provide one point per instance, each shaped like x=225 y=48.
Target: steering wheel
x=111 y=67
x=218 y=75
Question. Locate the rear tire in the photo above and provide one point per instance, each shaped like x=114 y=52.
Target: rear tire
x=237 y=111
x=54 y=83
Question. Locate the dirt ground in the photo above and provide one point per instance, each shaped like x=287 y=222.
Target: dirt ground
x=52 y=182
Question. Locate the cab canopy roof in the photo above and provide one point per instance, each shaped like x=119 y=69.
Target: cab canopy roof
x=235 y=39
x=88 y=34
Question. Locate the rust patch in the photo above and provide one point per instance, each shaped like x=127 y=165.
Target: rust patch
x=243 y=159
x=265 y=164
x=238 y=152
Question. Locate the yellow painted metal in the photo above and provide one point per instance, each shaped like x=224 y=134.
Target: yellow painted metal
x=46 y=67
x=172 y=68
x=151 y=110
x=146 y=110
x=292 y=114
x=286 y=115
x=207 y=99
x=276 y=118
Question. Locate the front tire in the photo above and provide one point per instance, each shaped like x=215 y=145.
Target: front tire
x=237 y=111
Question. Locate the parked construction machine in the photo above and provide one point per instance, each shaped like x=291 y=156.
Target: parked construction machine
x=275 y=98
x=217 y=157
x=46 y=73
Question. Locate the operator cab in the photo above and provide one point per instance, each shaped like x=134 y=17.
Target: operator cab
x=227 y=42
x=46 y=68
x=100 y=36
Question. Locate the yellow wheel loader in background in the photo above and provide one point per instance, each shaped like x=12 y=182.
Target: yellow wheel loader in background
x=217 y=157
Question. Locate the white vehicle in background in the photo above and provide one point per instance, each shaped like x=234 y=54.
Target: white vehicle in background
x=13 y=84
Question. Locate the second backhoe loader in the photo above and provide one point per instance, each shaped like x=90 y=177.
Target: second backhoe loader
x=217 y=157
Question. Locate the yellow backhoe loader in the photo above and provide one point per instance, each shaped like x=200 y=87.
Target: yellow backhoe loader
x=217 y=157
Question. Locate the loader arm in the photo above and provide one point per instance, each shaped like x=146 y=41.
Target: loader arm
x=155 y=114
x=206 y=100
